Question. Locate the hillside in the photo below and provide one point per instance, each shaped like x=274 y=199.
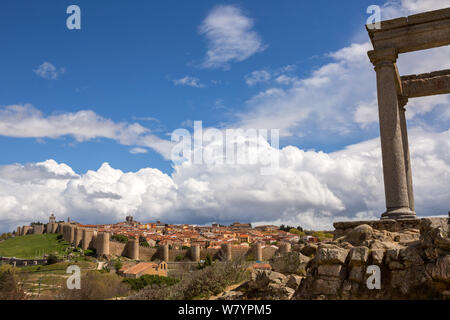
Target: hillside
x=32 y=246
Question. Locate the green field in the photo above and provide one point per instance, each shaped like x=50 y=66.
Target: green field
x=32 y=246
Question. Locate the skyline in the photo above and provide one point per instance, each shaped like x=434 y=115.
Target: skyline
x=82 y=141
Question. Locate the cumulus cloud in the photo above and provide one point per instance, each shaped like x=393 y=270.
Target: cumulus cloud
x=49 y=71
x=339 y=98
x=25 y=121
x=188 y=81
x=310 y=188
x=230 y=37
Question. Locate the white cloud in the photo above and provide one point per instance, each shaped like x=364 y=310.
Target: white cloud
x=230 y=37
x=311 y=188
x=138 y=150
x=49 y=71
x=25 y=121
x=188 y=81
x=400 y=8
x=257 y=76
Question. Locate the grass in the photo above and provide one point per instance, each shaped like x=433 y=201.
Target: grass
x=32 y=246
x=57 y=268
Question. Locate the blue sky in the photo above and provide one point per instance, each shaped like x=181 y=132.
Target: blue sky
x=122 y=63
x=86 y=115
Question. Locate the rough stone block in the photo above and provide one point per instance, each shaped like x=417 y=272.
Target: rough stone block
x=377 y=256
x=358 y=256
x=357 y=274
x=331 y=254
x=329 y=270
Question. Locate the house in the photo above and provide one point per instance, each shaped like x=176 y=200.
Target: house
x=261 y=266
x=144 y=268
x=311 y=239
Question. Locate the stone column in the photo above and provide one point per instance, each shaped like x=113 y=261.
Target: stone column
x=394 y=169
x=402 y=101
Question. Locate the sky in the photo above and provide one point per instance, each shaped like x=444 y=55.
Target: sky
x=86 y=116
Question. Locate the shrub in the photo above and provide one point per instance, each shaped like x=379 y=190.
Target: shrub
x=118 y=265
x=179 y=258
x=200 y=283
x=11 y=286
x=297 y=232
x=146 y=280
x=90 y=252
x=95 y=286
x=52 y=259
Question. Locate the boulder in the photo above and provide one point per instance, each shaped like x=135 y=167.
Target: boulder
x=359 y=234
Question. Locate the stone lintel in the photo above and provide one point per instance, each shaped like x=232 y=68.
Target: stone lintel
x=426 y=84
x=417 y=32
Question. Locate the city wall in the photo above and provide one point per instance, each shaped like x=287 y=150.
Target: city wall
x=87 y=238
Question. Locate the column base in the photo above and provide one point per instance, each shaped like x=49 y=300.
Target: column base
x=403 y=213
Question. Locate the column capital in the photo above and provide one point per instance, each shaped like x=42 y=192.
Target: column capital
x=383 y=56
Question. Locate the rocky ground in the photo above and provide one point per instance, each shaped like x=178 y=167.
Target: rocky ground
x=414 y=264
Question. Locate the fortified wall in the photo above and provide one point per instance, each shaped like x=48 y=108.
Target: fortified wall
x=90 y=238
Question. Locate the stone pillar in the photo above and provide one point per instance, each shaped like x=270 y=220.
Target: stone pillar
x=226 y=250
x=195 y=252
x=34 y=262
x=25 y=263
x=165 y=252
x=19 y=231
x=257 y=251
x=133 y=246
x=402 y=101
x=394 y=169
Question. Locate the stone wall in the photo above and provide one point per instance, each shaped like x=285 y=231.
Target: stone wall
x=414 y=262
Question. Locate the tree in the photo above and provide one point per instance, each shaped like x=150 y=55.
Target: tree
x=120 y=238
x=143 y=242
